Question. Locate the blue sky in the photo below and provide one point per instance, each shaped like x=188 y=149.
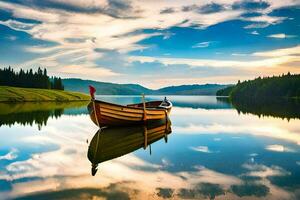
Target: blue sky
x=153 y=43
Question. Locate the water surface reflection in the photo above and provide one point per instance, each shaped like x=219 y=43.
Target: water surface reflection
x=213 y=153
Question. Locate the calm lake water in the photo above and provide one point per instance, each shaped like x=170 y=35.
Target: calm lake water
x=213 y=152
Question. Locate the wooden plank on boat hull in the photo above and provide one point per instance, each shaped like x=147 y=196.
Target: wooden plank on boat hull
x=120 y=117
x=155 y=112
x=130 y=110
x=106 y=120
x=121 y=113
x=156 y=116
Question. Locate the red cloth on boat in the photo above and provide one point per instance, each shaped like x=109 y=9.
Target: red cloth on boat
x=92 y=91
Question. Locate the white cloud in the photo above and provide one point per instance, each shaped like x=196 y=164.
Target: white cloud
x=84 y=3
x=268 y=62
x=264 y=171
x=89 y=72
x=268 y=20
x=13 y=154
x=279 y=148
x=239 y=54
x=17 y=25
x=257 y=25
x=285 y=52
x=265 y=63
x=254 y=33
x=203 y=149
x=281 y=36
x=201 y=45
x=167 y=35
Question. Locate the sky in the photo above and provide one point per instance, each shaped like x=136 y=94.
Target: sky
x=152 y=43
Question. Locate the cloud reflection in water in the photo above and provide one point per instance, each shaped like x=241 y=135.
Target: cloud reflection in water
x=52 y=162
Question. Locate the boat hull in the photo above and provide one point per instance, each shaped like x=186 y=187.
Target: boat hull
x=109 y=114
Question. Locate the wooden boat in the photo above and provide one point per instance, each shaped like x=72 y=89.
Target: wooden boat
x=108 y=114
x=112 y=142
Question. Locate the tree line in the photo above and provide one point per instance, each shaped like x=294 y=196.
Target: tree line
x=29 y=79
x=264 y=89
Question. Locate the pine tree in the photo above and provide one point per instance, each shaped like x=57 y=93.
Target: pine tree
x=29 y=79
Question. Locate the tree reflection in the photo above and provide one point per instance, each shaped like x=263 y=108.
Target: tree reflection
x=250 y=189
x=206 y=190
x=33 y=113
x=281 y=107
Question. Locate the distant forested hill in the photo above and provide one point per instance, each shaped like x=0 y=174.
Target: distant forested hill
x=207 y=89
x=261 y=89
x=104 y=88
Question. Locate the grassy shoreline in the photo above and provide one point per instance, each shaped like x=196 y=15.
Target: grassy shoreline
x=16 y=94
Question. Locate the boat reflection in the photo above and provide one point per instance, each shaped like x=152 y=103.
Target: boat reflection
x=112 y=142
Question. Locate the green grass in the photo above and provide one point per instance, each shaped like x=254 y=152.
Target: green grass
x=15 y=94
